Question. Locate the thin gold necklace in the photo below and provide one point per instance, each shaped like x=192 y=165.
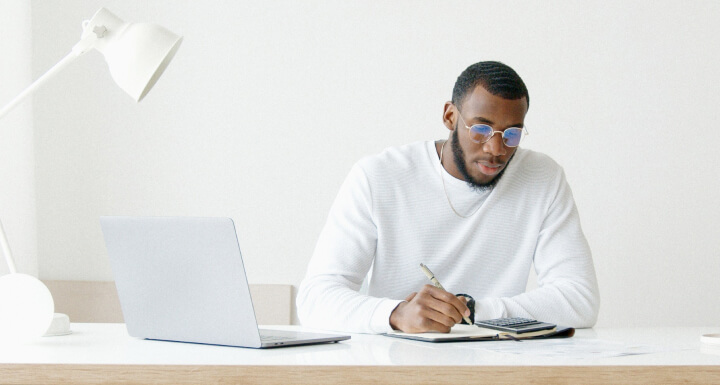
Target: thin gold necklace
x=442 y=148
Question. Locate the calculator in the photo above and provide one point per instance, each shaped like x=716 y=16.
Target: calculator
x=515 y=325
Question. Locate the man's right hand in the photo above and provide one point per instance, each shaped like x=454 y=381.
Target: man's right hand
x=430 y=309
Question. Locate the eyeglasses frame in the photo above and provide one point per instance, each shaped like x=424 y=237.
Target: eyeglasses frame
x=523 y=130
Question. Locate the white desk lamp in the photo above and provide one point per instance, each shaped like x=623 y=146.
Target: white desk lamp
x=137 y=54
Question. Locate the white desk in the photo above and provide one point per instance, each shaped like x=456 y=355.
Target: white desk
x=97 y=353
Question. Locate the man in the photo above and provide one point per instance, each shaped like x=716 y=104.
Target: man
x=476 y=209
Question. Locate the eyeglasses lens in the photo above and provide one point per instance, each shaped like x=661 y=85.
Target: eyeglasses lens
x=512 y=136
x=481 y=133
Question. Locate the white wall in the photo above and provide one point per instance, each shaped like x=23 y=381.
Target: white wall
x=17 y=187
x=268 y=104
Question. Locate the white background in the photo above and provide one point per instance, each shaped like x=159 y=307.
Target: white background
x=268 y=104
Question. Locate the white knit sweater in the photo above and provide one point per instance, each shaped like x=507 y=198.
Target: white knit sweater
x=391 y=214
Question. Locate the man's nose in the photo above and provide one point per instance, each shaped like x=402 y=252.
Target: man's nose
x=495 y=146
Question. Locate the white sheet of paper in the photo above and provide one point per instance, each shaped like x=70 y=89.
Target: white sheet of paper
x=459 y=330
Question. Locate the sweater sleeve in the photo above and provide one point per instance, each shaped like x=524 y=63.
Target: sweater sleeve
x=328 y=297
x=567 y=292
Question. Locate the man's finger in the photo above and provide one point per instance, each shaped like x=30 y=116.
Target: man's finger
x=432 y=304
x=441 y=313
x=449 y=298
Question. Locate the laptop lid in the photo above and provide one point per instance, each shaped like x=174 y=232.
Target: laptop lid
x=183 y=279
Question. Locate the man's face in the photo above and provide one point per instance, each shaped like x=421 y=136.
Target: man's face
x=480 y=164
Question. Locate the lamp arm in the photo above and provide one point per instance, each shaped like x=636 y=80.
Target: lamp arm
x=4 y=245
x=40 y=81
x=86 y=43
x=80 y=48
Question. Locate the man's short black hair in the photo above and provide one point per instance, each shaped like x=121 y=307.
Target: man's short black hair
x=495 y=77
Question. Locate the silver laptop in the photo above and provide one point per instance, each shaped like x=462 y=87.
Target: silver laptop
x=182 y=279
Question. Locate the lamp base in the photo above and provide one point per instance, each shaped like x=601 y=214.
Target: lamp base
x=26 y=306
x=60 y=326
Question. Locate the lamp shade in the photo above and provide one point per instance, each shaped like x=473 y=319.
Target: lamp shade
x=136 y=53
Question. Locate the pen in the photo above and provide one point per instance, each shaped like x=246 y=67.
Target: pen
x=438 y=285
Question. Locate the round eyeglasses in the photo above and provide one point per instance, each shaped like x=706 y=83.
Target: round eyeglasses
x=481 y=133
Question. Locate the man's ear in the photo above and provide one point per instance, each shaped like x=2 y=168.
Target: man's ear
x=449 y=116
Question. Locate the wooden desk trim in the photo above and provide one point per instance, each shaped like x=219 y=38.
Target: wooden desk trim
x=320 y=375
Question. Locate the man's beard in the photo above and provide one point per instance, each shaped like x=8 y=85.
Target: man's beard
x=459 y=157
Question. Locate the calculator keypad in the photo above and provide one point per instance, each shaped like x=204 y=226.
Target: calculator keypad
x=515 y=321
x=515 y=324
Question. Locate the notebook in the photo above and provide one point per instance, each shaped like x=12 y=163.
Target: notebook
x=463 y=332
x=183 y=279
